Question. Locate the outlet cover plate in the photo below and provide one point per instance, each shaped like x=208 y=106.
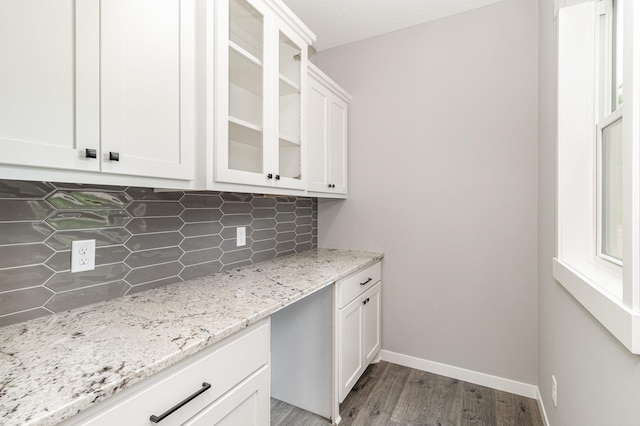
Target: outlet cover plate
x=83 y=255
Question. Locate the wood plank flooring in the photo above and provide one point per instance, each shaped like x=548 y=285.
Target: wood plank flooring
x=392 y=395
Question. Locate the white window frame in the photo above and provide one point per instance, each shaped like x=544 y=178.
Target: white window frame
x=609 y=292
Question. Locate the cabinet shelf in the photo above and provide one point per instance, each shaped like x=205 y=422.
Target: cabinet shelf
x=288 y=141
x=246 y=133
x=288 y=86
x=245 y=70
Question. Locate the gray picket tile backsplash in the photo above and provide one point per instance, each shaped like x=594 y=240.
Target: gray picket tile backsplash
x=144 y=239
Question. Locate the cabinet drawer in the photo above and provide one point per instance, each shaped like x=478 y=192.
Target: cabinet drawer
x=349 y=288
x=223 y=366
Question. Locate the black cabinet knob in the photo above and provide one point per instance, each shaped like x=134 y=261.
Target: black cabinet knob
x=90 y=153
x=270 y=176
x=114 y=156
x=277 y=177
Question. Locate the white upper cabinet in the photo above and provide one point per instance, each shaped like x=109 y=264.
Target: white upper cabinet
x=49 y=94
x=258 y=72
x=147 y=84
x=326 y=128
x=98 y=86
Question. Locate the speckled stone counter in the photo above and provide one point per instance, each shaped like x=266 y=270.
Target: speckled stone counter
x=56 y=366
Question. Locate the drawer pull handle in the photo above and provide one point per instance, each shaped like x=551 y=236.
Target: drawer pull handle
x=90 y=153
x=365 y=301
x=157 y=419
x=114 y=156
x=367 y=281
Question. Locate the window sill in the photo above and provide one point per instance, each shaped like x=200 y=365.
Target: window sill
x=599 y=290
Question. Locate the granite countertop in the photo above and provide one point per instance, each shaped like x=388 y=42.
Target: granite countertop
x=55 y=366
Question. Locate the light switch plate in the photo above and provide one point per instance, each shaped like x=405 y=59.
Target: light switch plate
x=241 y=236
x=83 y=255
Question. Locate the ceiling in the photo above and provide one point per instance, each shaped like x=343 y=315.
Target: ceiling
x=338 y=22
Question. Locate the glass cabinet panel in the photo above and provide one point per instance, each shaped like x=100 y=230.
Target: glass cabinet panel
x=246 y=136
x=290 y=108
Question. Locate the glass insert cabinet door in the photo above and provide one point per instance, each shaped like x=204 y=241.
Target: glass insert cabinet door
x=289 y=108
x=242 y=146
x=258 y=97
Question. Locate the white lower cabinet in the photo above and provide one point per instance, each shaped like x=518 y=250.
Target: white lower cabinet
x=358 y=326
x=247 y=405
x=227 y=384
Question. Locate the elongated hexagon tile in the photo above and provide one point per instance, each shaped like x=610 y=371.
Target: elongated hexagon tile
x=303 y=247
x=201 y=256
x=24 y=254
x=303 y=220
x=65 y=281
x=236 y=196
x=153 y=284
x=285 y=207
x=285 y=236
x=285 y=246
x=24 y=232
x=154 y=273
x=201 y=228
x=61 y=240
x=236 y=256
x=141 y=225
x=23 y=316
x=154 y=208
x=21 y=300
x=199 y=243
x=201 y=270
x=154 y=241
x=263 y=245
x=192 y=201
x=236 y=220
x=139 y=194
x=86 y=296
x=264 y=234
x=13 y=210
x=286 y=227
x=262 y=256
x=259 y=224
x=304 y=211
x=152 y=257
x=236 y=208
x=263 y=201
x=263 y=213
x=304 y=238
x=64 y=200
x=24 y=189
x=285 y=217
x=27 y=276
x=64 y=219
x=304 y=202
x=303 y=229
x=231 y=244
x=201 y=215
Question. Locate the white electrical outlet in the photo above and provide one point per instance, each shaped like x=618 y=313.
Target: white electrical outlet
x=241 y=236
x=554 y=390
x=83 y=255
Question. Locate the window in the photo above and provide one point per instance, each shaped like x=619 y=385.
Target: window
x=609 y=63
x=598 y=253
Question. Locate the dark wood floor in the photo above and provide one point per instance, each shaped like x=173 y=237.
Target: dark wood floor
x=393 y=395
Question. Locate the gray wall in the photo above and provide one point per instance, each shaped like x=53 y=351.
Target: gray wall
x=143 y=239
x=598 y=379
x=443 y=179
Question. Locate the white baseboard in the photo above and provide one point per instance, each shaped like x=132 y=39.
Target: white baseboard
x=543 y=412
x=500 y=383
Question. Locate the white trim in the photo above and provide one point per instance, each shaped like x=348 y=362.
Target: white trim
x=495 y=382
x=543 y=412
